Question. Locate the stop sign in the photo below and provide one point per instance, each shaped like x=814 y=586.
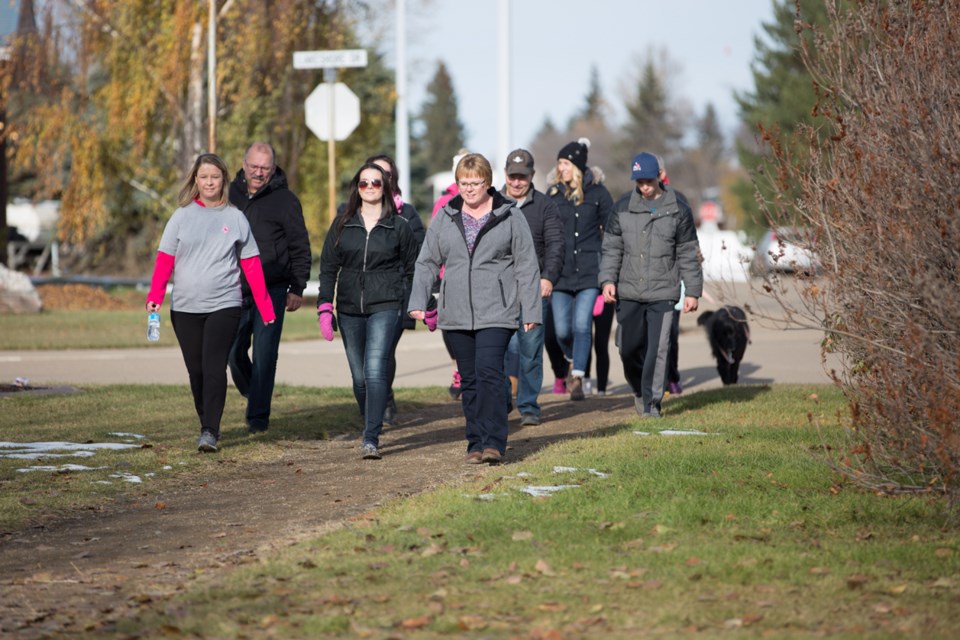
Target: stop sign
x=346 y=111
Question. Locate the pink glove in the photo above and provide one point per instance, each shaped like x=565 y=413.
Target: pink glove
x=598 y=305
x=325 y=320
x=430 y=319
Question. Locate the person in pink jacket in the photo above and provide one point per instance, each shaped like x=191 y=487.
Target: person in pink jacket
x=205 y=245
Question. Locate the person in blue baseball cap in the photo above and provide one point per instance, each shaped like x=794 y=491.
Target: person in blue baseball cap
x=650 y=246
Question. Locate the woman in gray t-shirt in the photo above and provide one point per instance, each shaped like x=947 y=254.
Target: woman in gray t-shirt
x=205 y=245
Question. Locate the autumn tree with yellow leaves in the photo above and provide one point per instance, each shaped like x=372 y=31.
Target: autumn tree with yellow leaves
x=112 y=110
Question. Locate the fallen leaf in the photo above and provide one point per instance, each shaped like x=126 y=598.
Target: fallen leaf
x=544 y=568
x=552 y=606
x=472 y=623
x=436 y=607
x=269 y=621
x=943 y=552
x=856 y=581
x=883 y=607
x=222 y=534
x=416 y=623
x=432 y=550
x=514 y=579
x=660 y=529
x=693 y=561
x=943 y=583
x=634 y=544
x=523 y=535
x=819 y=571
x=160 y=505
x=897 y=589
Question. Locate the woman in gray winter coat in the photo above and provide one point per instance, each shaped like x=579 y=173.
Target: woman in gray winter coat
x=490 y=276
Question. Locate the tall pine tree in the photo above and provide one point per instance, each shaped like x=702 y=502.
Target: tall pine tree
x=782 y=98
x=439 y=137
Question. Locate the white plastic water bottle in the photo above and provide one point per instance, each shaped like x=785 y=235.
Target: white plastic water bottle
x=153 y=327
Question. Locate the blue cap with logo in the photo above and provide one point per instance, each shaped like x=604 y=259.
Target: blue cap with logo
x=645 y=167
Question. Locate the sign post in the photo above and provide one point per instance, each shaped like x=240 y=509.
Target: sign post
x=331 y=111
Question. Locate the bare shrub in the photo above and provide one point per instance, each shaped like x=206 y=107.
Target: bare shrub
x=881 y=192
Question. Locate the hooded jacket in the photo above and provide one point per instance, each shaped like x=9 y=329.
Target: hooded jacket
x=649 y=247
x=276 y=219
x=369 y=272
x=485 y=290
x=547 y=231
x=583 y=225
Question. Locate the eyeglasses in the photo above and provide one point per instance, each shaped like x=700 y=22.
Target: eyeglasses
x=374 y=184
x=472 y=185
x=257 y=168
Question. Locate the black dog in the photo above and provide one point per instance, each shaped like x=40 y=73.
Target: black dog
x=729 y=335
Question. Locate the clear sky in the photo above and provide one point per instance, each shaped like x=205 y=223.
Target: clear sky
x=556 y=42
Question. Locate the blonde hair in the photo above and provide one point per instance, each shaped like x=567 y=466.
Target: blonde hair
x=475 y=164
x=573 y=190
x=190 y=191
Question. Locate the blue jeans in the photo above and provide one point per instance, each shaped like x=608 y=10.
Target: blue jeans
x=254 y=377
x=526 y=350
x=573 y=323
x=368 y=341
x=479 y=357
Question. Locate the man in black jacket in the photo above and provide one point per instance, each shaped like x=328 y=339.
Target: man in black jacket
x=543 y=218
x=276 y=218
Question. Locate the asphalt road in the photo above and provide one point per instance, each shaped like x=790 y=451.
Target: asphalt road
x=776 y=355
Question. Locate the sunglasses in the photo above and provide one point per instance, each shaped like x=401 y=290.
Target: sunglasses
x=376 y=184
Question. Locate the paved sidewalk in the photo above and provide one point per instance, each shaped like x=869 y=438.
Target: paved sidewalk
x=775 y=356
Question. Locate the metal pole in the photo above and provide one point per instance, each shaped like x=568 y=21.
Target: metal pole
x=330 y=77
x=403 y=119
x=212 y=77
x=503 y=139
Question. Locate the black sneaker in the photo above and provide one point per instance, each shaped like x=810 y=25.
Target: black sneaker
x=257 y=428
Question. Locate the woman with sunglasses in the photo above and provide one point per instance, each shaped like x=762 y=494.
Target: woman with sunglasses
x=366 y=264
x=491 y=275
x=409 y=213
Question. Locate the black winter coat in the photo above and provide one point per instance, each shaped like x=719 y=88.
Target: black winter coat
x=583 y=233
x=276 y=219
x=367 y=273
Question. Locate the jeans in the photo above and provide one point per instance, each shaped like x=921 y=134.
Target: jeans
x=573 y=323
x=368 y=341
x=254 y=376
x=526 y=349
x=644 y=348
x=479 y=357
x=205 y=340
x=392 y=363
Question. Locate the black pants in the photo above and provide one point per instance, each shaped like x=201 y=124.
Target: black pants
x=644 y=347
x=558 y=364
x=602 y=324
x=205 y=341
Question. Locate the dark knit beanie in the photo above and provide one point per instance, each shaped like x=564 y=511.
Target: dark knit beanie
x=576 y=152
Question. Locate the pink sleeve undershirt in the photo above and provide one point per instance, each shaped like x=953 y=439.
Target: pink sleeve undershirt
x=162 y=269
x=258 y=287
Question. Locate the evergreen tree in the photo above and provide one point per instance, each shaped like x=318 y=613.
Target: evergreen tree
x=651 y=122
x=441 y=134
x=782 y=98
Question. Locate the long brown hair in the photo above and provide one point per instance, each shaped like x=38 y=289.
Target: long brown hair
x=388 y=206
x=190 y=191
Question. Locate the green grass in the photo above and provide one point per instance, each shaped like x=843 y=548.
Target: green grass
x=743 y=533
x=120 y=329
x=166 y=416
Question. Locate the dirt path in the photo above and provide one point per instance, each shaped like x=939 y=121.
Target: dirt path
x=89 y=570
